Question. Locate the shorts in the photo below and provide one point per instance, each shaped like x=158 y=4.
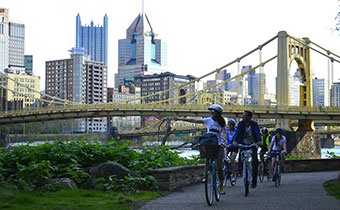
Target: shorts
x=272 y=154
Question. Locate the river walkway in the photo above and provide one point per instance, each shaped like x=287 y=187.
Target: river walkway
x=303 y=191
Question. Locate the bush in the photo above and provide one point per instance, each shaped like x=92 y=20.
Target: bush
x=29 y=167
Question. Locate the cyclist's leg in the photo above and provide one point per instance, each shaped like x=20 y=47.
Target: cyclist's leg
x=233 y=163
x=282 y=161
x=255 y=165
x=219 y=165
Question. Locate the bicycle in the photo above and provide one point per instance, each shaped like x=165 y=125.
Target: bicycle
x=226 y=168
x=211 y=182
x=246 y=157
x=277 y=168
x=263 y=167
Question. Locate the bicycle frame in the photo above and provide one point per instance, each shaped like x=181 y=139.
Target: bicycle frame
x=246 y=157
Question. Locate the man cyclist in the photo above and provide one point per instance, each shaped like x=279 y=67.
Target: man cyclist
x=231 y=130
x=216 y=125
x=278 y=144
x=266 y=138
x=248 y=132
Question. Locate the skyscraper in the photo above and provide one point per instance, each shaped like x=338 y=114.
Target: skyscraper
x=93 y=39
x=12 y=44
x=3 y=39
x=319 y=92
x=140 y=53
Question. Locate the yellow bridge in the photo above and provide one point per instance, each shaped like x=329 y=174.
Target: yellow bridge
x=185 y=103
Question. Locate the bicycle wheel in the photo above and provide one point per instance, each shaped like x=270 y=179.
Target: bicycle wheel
x=225 y=173
x=276 y=174
x=261 y=171
x=209 y=185
x=246 y=183
x=217 y=188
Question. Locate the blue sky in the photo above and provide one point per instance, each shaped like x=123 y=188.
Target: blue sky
x=201 y=35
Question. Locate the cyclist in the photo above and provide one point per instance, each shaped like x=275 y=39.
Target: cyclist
x=266 y=138
x=231 y=130
x=278 y=143
x=216 y=125
x=248 y=132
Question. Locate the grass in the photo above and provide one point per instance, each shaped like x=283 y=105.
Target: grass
x=333 y=188
x=74 y=200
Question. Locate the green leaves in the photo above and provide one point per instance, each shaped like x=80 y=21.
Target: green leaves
x=30 y=167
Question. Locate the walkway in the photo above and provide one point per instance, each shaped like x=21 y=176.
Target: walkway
x=303 y=191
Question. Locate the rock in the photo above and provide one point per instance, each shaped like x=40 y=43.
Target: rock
x=107 y=169
x=66 y=182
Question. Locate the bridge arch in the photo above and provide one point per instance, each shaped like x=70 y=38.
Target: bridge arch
x=294 y=49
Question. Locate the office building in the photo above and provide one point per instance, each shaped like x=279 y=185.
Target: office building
x=94 y=39
x=81 y=80
x=29 y=64
x=119 y=95
x=319 y=92
x=151 y=84
x=27 y=94
x=12 y=44
x=140 y=53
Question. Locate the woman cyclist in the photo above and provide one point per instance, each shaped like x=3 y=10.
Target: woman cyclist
x=231 y=130
x=216 y=125
x=278 y=144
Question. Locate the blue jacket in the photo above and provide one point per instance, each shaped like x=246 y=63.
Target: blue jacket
x=241 y=128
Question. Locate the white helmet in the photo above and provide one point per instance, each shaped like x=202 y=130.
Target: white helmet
x=216 y=107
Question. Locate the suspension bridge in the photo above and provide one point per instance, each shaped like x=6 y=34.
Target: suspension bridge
x=195 y=104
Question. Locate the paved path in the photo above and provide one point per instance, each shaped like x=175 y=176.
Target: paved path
x=303 y=191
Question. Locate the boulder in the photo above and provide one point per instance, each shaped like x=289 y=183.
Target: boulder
x=66 y=182
x=107 y=169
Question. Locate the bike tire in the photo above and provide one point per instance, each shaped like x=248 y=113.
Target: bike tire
x=225 y=174
x=261 y=171
x=276 y=174
x=246 y=184
x=209 y=185
x=217 y=189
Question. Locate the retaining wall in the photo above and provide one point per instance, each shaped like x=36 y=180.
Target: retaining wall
x=172 y=178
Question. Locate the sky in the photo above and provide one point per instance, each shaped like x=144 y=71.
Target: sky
x=201 y=35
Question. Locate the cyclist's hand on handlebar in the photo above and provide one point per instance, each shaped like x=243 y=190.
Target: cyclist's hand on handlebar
x=235 y=143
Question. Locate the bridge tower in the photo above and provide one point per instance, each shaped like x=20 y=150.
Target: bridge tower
x=290 y=49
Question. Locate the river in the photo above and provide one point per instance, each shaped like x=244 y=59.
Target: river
x=187 y=152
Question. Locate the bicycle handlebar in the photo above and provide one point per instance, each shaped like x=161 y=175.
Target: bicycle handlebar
x=246 y=146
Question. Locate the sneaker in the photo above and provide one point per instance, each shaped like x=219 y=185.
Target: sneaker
x=222 y=190
x=233 y=179
x=253 y=185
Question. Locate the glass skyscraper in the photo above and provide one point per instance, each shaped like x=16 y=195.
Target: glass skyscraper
x=93 y=39
x=140 y=53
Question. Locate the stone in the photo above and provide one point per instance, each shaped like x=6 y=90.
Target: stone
x=107 y=169
x=66 y=182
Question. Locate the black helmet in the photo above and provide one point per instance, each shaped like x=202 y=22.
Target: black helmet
x=278 y=130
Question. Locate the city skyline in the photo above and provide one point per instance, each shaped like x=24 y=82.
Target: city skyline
x=201 y=36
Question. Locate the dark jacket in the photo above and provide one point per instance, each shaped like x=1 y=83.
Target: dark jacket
x=241 y=128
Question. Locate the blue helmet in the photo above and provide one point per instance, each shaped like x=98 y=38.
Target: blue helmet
x=232 y=121
x=216 y=107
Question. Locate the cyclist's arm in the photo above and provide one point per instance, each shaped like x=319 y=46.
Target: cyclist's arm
x=284 y=145
x=224 y=133
x=188 y=120
x=270 y=146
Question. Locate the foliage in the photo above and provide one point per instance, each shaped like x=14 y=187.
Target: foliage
x=295 y=157
x=73 y=199
x=332 y=155
x=29 y=167
x=333 y=188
